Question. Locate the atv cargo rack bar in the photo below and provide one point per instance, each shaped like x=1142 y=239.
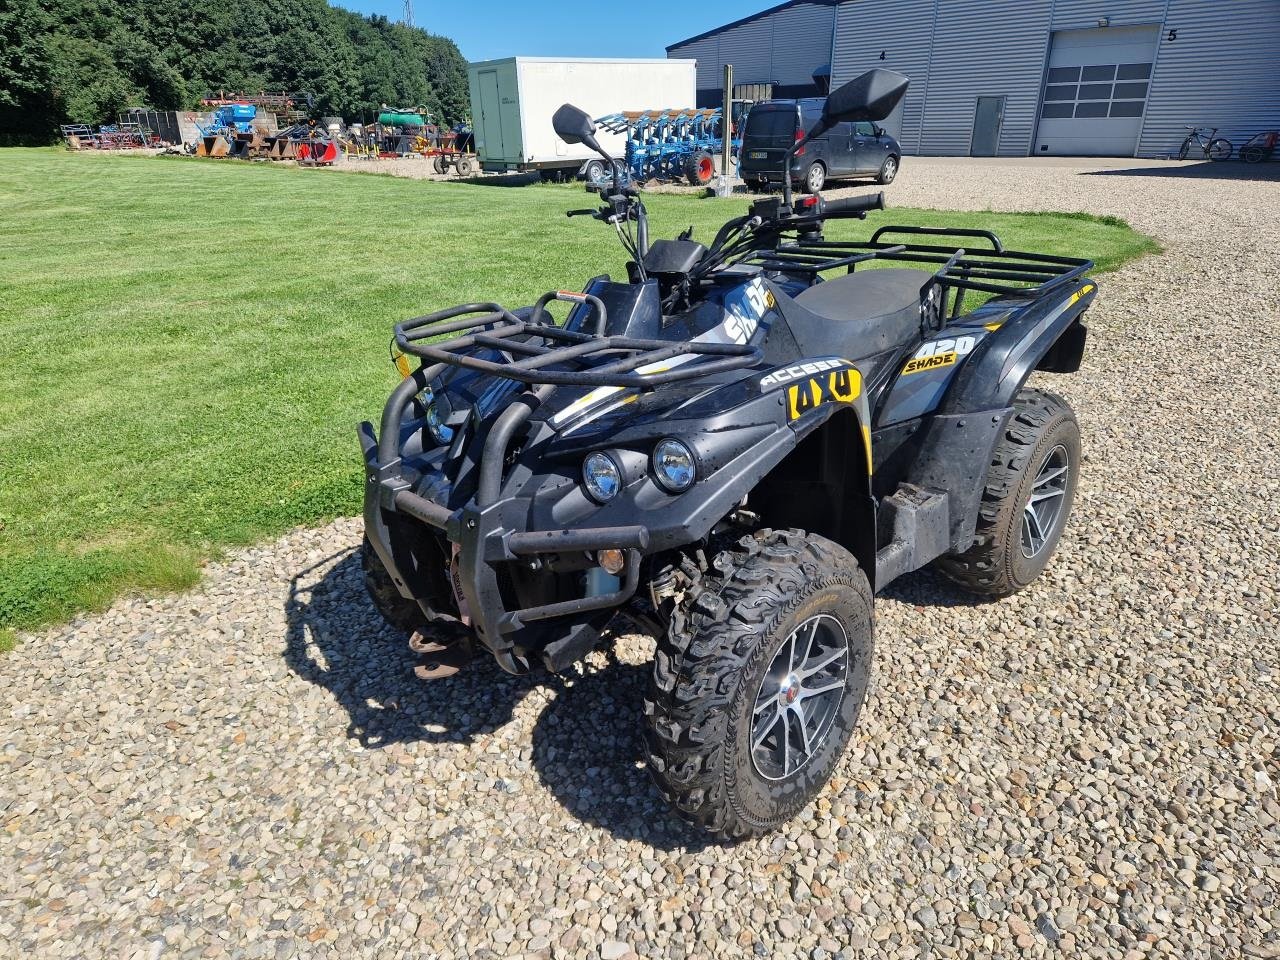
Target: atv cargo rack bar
x=536 y=351
x=996 y=270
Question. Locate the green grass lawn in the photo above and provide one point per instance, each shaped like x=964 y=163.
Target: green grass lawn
x=188 y=345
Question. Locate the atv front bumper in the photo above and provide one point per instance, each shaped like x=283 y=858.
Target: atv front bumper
x=488 y=532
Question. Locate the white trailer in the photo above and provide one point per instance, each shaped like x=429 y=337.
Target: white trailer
x=513 y=99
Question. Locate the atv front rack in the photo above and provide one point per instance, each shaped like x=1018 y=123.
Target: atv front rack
x=534 y=350
x=995 y=270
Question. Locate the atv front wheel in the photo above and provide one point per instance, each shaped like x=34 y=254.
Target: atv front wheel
x=402 y=614
x=1030 y=487
x=758 y=682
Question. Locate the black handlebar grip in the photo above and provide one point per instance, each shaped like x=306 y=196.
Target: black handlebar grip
x=580 y=213
x=868 y=201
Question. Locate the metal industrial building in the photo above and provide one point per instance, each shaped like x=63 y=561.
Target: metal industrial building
x=1027 y=77
x=786 y=49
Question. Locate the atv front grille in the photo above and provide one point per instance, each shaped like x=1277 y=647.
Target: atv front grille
x=534 y=350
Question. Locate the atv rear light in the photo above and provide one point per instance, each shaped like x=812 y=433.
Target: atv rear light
x=439 y=430
x=674 y=466
x=601 y=477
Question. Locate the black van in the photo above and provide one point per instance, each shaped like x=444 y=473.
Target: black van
x=846 y=150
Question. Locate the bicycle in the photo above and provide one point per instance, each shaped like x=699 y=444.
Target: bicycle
x=1215 y=148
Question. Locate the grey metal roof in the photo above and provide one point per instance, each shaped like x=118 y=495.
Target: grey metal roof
x=755 y=16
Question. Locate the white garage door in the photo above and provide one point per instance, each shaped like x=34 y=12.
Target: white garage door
x=1095 y=91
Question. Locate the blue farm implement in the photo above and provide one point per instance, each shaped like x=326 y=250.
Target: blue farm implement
x=670 y=144
x=231 y=125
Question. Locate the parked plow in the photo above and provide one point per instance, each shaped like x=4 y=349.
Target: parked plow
x=671 y=144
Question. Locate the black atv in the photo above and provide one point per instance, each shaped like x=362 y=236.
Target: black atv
x=739 y=444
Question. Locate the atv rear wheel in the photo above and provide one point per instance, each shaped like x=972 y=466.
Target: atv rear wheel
x=1028 y=496
x=402 y=614
x=758 y=682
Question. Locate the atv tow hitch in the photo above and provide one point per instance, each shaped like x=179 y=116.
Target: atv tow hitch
x=443 y=659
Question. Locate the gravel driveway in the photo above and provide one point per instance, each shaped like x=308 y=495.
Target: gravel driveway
x=1088 y=768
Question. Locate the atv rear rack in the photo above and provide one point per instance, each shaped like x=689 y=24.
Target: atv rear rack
x=997 y=270
x=533 y=350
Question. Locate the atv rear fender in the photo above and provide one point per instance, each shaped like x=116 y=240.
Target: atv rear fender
x=958 y=442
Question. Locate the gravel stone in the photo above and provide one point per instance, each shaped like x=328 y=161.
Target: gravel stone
x=251 y=769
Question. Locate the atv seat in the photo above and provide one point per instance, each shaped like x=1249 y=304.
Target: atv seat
x=866 y=314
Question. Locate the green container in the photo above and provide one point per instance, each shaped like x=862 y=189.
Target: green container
x=394 y=118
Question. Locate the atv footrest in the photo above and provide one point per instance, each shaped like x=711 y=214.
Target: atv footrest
x=919 y=521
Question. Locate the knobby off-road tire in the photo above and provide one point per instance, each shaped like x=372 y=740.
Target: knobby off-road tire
x=1041 y=436
x=712 y=665
x=404 y=615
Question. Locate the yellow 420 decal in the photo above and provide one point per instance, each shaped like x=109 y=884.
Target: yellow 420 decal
x=842 y=386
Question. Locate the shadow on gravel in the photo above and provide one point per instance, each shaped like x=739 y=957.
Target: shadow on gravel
x=1208 y=170
x=587 y=745
x=588 y=750
x=926 y=588
x=337 y=640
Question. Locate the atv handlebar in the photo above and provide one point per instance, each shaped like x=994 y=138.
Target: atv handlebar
x=853 y=206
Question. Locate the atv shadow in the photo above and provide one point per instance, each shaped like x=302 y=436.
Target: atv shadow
x=336 y=639
x=589 y=751
x=587 y=745
x=928 y=588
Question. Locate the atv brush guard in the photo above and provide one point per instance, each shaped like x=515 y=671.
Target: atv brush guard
x=544 y=356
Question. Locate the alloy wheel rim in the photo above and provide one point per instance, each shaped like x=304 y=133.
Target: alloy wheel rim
x=1043 y=510
x=815 y=178
x=799 y=697
x=890 y=169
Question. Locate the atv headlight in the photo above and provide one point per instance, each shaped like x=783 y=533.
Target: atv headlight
x=601 y=477
x=674 y=466
x=441 y=431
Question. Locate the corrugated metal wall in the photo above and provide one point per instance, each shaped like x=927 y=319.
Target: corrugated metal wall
x=1223 y=70
x=893 y=34
x=981 y=49
x=1082 y=14
x=784 y=48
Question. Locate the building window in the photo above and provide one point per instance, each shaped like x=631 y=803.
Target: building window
x=1133 y=71
x=1097 y=90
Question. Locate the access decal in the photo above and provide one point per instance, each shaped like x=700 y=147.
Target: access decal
x=840 y=386
x=787 y=374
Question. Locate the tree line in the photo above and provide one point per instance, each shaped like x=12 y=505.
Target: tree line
x=83 y=61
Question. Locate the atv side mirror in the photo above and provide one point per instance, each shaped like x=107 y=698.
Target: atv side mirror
x=575 y=126
x=871 y=97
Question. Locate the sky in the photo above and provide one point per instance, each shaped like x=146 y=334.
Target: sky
x=487 y=29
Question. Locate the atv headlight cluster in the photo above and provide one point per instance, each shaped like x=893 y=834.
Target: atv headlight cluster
x=601 y=477
x=440 y=431
x=673 y=465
